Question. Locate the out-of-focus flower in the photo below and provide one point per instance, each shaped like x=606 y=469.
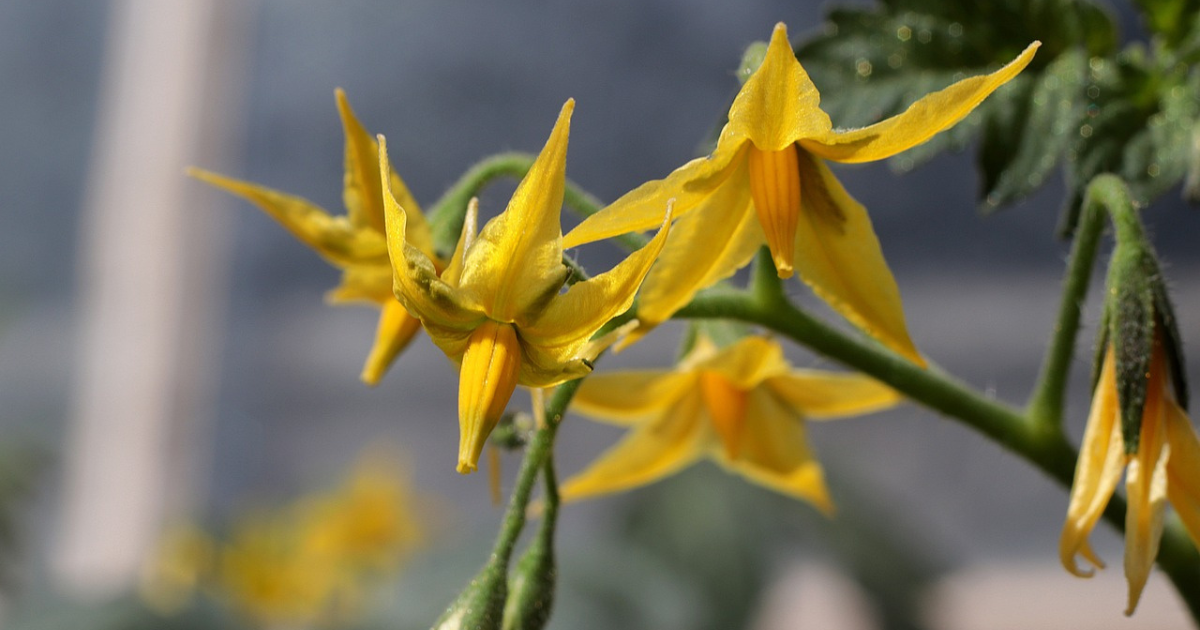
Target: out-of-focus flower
x=354 y=242
x=742 y=406
x=1164 y=468
x=767 y=182
x=499 y=310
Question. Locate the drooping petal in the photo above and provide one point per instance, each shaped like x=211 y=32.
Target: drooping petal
x=570 y=319
x=707 y=246
x=625 y=398
x=447 y=313
x=748 y=362
x=1101 y=460
x=641 y=209
x=363 y=283
x=774 y=452
x=838 y=255
x=363 y=193
x=395 y=331
x=516 y=261
x=924 y=118
x=1183 y=469
x=648 y=453
x=486 y=383
x=824 y=395
x=1146 y=493
x=778 y=104
x=334 y=238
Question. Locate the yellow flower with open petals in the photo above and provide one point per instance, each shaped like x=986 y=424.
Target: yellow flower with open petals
x=354 y=243
x=767 y=182
x=743 y=406
x=1165 y=468
x=499 y=310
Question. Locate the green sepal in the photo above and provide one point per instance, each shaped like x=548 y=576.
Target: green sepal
x=1102 y=340
x=1131 y=320
x=531 y=588
x=480 y=606
x=752 y=58
x=1172 y=342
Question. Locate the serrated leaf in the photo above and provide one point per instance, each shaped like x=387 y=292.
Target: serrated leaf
x=1022 y=148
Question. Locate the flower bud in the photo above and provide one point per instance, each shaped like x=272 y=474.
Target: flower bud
x=532 y=594
x=480 y=606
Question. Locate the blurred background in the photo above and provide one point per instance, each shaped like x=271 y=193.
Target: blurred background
x=165 y=355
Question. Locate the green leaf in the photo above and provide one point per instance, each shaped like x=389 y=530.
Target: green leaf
x=871 y=63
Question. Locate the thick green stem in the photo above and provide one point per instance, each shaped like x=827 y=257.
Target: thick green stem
x=1045 y=407
x=1048 y=450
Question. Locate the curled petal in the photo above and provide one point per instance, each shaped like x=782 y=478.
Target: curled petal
x=924 y=118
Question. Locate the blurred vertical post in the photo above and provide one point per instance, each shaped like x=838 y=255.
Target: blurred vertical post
x=152 y=276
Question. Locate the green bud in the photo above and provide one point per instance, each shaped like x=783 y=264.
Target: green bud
x=532 y=597
x=1131 y=275
x=480 y=606
x=751 y=60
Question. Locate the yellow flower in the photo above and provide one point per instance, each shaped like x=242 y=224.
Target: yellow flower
x=355 y=242
x=1166 y=467
x=743 y=406
x=499 y=310
x=370 y=524
x=767 y=182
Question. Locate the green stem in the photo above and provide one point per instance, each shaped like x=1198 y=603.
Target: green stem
x=1045 y=406
x=1048 y=450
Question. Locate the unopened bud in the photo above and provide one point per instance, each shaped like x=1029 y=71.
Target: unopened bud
x=532 y=589
x=480 y=606
x=751 y=60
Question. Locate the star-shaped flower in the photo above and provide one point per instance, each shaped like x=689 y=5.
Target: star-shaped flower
x=499 y=309
x=767 y=182
x=1165 y=468
x=354 y=242
x=742 y=406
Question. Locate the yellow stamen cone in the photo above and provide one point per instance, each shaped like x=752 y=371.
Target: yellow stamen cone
x=726 y=404
x=486 y=382
x=775 y=190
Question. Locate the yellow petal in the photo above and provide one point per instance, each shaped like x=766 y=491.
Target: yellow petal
x=1101 y=460
x=334 y=238
x=725 y=405
x=453 y=272
x=774 y=452
x=396 y=330
x=838 y=255
x=515 y=264
x=625 y=398
x=707 y=246
x=748 y=362
x=648 y=453
x=570 y=319
x=485 y=384
x=447 y=313
x=1183 y=469
x=363 y=283
x=641 y=209
x=1146 y=492
x=933 y=113
x=820 y=395
x=778 y=104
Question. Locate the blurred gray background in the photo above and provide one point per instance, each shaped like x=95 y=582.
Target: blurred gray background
x=448 y=84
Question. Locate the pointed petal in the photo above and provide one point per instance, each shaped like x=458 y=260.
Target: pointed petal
x=826 y=395
x=516 y=261
x=449 y=315
x=1101 y=460
x=625 y=398
x=774 y=452
x=572 y=318
x=748 y=362
x=334 y=238
x=396 y=330
x=648 y=453
x=363 y=283
x=838 y=255
x=1183 y=469
x=933 y=113
x=641 y=209
x=453 y=272
x=1146 y=494
x=779 y=104
x=707 y=246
